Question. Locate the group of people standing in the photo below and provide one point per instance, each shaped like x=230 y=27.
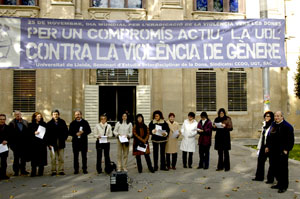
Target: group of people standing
x=275 y=143
x=29 y=143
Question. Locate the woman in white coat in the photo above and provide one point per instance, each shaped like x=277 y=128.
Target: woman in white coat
x=188 y=143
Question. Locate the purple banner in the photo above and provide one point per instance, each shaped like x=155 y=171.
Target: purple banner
x=56 y=43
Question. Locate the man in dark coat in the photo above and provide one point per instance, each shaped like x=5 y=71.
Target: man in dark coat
x=79 y=130
x=57 y=133
x=280 y=141
x=4 y=133
x=19 y=140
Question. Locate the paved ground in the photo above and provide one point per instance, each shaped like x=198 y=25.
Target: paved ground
x=182 y=183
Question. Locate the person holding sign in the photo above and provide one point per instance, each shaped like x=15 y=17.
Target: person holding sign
x=222 y=125
x=4 y=133
x=140 y=143
x=205 y=130
x=159 y=129
x=123 y=131
x=57 y=133
x=37 y=128
x=102 y=132
x=188 y=143
x=172 y=143
x=79 y=130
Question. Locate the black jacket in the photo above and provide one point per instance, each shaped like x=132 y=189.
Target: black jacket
x=19 y=139
x=82 y=142
x=280 y=137
x=222 y=137
x=4 y=133
x=164 y=126
x=38 y=146
x=57 y=134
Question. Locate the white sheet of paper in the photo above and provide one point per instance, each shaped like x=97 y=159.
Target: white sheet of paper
x=42 y=131
x=123 y=139
x=219 y=125
x=3 y=148
x=52 y=150
x=80 y=129
x=141 y=148
x=157 y=127
x=175 y=134
x=103 y=139
x=160 y=132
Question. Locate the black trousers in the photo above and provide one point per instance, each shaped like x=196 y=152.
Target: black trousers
x=281 y=169
x=76 y=159
x=103 y=147
x=162 y=147
x=260 y=170
x=174 y=159
x=184 y=158
x=3 y=159
x=19 y=162
x=223 y=160
x=139 y=162
x=204 y=156
x=34 y=168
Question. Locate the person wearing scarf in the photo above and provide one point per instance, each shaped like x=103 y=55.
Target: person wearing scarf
x=262 y=155
x=222 y=139
x=140 y=140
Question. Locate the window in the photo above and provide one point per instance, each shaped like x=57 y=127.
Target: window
x=237 y=90
x=117 y=76
x=19 y=2
x=24 y=90
x=206 y=90
x=117 y=3
x=217 y=5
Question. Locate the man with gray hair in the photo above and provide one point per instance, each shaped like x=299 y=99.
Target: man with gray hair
x=19 y=139
x=280 y=141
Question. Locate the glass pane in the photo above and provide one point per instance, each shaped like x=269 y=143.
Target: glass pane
x=218 y=5
x=28 y=2
x=10 y=2
x=134 y=3
x=234 y=5
x=100 y=3
x=202 y=5
x=117 y=3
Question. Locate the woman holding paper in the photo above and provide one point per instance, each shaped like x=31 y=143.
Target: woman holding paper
x=159 y=130
x=172 y=143
x=222 y=125
x=204 y=142
x=140 y=143
x=123 y=131
x=102 y=132
x=188 y=143
x=38 y=145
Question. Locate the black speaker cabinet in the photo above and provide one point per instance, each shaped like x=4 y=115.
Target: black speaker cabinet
x=118 y=181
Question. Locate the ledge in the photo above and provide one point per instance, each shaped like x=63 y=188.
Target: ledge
x=217 y=15
x=19 y=11
x=106 y=13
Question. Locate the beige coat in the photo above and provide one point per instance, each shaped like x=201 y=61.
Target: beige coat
x=172 y=143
